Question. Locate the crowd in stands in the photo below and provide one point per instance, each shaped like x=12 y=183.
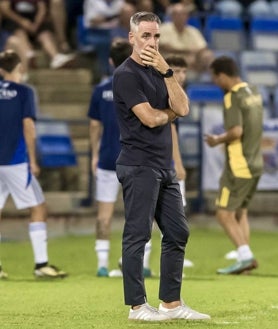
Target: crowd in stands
x=64 y=28
x=52 y=25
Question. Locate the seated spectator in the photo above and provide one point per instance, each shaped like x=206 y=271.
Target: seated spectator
x=74 y=9
x=102 y=16
x=142 y=5
x=122 y=29
x=179 y=38
x=27 y=21
x=160 y=7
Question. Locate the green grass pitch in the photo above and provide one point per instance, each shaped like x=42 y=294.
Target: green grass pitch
x=84 y=301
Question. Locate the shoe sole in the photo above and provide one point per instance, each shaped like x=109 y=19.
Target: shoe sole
x=246 y=270
x=149 y=321
x=46 y=277
x=68 y=65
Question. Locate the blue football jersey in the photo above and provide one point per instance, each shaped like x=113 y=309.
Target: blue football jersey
x=102 y=109
x=16 y=103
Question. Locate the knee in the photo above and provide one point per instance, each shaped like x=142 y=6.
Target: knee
x=39 y=213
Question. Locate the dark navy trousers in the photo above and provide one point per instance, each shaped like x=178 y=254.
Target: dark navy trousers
x=151 y=193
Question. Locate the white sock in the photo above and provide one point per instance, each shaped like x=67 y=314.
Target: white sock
x=244 y=252
x=102 y=249
x=147 y=254
x=38 y=237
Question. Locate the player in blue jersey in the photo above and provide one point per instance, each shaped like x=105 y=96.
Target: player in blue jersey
x=105 y=135
x=18 y=165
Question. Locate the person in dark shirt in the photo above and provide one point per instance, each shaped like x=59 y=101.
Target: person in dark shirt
x=148 y=98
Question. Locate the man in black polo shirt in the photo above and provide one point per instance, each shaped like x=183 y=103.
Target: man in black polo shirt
x=148 y=98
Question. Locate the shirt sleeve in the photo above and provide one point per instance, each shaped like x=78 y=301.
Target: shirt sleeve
x=94 y=112
x=233 y=113
x=129 y=90
x=29 y=107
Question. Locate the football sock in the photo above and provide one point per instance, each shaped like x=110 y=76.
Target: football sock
x=38 y=237
x=147 y=254
x=102 y=248
x=244 y=252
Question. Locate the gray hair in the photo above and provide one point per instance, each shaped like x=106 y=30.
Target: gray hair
x=143 y=16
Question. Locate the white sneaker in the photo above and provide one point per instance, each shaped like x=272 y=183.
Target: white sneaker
x=61 y=60
x=183 y=312
x=117 y=273
x=187 y=263
x=147 y=313
x=3 y=275
x=233 y=254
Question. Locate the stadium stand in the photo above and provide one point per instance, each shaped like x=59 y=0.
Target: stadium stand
x=225 y=33
x=259 y=67
x=263 y=32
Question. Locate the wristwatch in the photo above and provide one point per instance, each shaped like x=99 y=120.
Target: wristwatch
x=169 y=73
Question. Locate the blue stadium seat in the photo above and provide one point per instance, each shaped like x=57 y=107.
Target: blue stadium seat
x=203 y=95
x=54 y=145
x=225 y=33
x=264 y=33
x=200 y=96
x=267 y=101
x=259 y=67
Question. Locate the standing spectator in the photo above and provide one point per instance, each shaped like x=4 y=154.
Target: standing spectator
x=27 y=20
x=148 y=98
x=179 y=38
x=18 y=166
x=243 y=115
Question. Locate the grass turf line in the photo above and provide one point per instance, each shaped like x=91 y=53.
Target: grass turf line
x=84 y=301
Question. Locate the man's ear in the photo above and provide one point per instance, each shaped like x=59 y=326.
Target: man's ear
x=131 y=38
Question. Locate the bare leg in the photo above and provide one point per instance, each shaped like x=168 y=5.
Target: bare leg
x=242 y=218
x=38 y=213
x=58 y=16
x=228 y=221
x=20 y=44
x=105 y=213
x=103 y=227
x=48 y=43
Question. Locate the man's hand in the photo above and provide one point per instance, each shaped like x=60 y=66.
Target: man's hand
x=28 y=26
x=152 y=57
x=211 y=140
x=35 y=169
